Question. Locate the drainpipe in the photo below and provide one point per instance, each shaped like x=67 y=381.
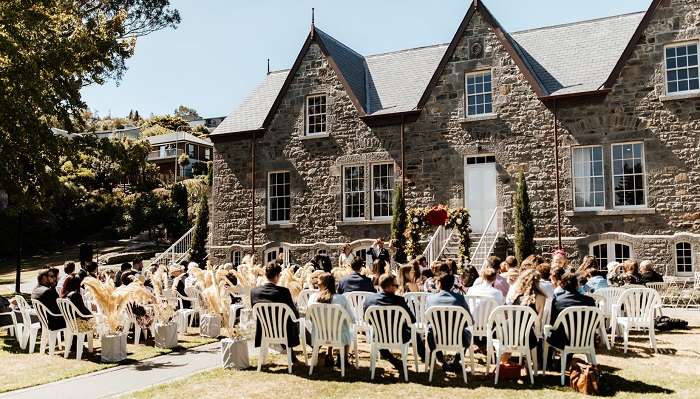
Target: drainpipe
x=403 y=153
x=556 y=172
x=252 y=195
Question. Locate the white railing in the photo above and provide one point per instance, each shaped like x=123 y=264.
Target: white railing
x=437 y=244
x=177 y=251
x=488 y=239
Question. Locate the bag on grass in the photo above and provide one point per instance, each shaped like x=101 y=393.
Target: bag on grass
x=584 y=377
x=665 y=323
x=509 y=371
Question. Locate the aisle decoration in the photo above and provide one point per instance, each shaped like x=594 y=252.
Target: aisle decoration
x=164 y=310
x=422 y=221
x=459 y=220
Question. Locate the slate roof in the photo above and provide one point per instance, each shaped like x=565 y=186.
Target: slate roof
x=565 y=59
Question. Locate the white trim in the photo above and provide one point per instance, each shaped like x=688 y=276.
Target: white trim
x=644 y=176
x=610 y=256
x=485 y=115
x=573 y=178
x=364 y=191
x=665 y=69
x=269 y=197
x=372 y=190
x=692 y=258
x=306 y=114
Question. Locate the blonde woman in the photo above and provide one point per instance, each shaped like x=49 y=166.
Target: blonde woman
x=527 y=292
x=346 y=256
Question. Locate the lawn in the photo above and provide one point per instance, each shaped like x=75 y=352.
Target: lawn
x=672 y=373
x=21 y=370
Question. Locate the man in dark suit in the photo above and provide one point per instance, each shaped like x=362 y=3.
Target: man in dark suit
x=47 y=295
x=270 y=292
x=567 y=297
x=379 y=252
x=388 y=297
x=355 y=281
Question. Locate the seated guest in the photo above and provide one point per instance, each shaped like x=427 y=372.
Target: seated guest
x=511 y=262
x=326 y=294
x=569 y=296
x=388 y=297
x=614 y=274
x=178 y=275
x=446 y=297
x=555 y=275
x=559 y=258
x=647 y=274
x=527 y=292
x=68 y=269
x=546 y=285
x=631 y=272
x=47 y=295
x=356 y=281
x=125 y=267
x=378 y=270
x=409 y=278
x=486 y=288
x=71 y=291
x=423 y=263
x=270 y=292
x=469 y=276
x=429 y=284
x=501 y=283
x=596 y=280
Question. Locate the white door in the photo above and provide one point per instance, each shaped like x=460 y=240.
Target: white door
x=480 y=191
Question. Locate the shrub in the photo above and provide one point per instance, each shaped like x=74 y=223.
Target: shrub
x=524 y=234
x=198 y=251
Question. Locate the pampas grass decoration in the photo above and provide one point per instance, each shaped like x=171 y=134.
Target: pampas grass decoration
x=112 y=301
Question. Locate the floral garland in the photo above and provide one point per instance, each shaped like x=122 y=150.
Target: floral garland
x=459 y=220
x=421 y=220
x=415 y=227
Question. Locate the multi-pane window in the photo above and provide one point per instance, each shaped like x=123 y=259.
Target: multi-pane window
x=682 y=68
x=589 y=190
x=684 y=257
x=354 y=192
x=622 y=252
x=382 y=189
x=601 y=255
x=610 y=251
x=479 y=94
x=628 y=174
x=207 y=154
x=316 y=114
x=279 y=197
x=191 y=150
x=236 y=258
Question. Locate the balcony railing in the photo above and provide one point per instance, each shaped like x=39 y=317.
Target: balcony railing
x=164 y=154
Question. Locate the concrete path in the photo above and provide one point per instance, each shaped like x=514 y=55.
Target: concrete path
x=128 y=378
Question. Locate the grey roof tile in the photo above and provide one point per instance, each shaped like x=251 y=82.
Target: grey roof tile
x=351 y=64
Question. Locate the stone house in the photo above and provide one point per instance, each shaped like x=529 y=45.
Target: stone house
x=310 y=159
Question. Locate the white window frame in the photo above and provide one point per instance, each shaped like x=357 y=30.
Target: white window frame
x=269 y=197
x=364 y=192
x=466 y=94
x=573 y=179
x=207 y=154
x=307 y=116
x=234 y=255
x=692 y=258
x=665 y=61
x=391 y=190
x=644 y=175
x=267 y=253
x=193 y=153
x=610 y=250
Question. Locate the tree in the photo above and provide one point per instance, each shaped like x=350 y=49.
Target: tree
x=155 y=130
x=398 y=224
x=186 y=113
x=178 y=196
x=524 y=226
x=200 y=131
x=198 y=251
x=131 y=115
x=170 y=122
x=137 y=117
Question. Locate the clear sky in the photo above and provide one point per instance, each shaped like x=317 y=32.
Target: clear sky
x=219 y=52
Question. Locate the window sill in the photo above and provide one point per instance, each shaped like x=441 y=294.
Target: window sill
x=281 y=225
x=315 y=136
x=341 y=223
x=478 y=118
x=680 y=96
x=612 y=212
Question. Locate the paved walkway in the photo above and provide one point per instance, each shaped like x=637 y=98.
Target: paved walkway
x=128 y=378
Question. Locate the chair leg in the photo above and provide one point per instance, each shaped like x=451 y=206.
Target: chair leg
x=79 y=346
x=464 y=363
x=43 y=341
x=404 y=359
x=32 y=339
x=414 y=343
x=535 y=362
x=613 y=331
x=528 y=358
x=471 y=356
x=342 y=360
x=262 y=354
x=626 y=335
x=289 y=359
x=137 y=334
x=357 y=357
x=431 y=355
x=53 y=337
x=88 y=337
x=652 y=339
x=302 y=339
x=372 y=361
x=498 y=356
x=545 y=356
x=563 y=367
x=314 y=358
x=69 y=343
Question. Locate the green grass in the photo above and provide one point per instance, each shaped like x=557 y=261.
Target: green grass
x=21 y=370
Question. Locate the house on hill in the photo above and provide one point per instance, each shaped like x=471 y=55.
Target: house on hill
x=602 y=116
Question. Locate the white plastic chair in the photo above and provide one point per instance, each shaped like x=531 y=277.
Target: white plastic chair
x=661 y=288
x=580 y=325
x=14 y=328
x=303 y=299
x=50 y=338
x=28 y=330
x=70 y=314
x=511 y=326
x=273 y=319
x=132 y=322
x=357 y=303
x=417 y=302
x=447 y=324
x=327 y=329
x=610 y=297
x=480 y=307
x=635 y=311
x=385 y=332
x=185 y=317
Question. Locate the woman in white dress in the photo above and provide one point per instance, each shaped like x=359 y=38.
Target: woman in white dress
x=346 y=256
x=326 y=294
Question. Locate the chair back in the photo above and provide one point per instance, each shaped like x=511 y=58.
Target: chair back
x=546 y=317
x=447 y=324
x=194 y=297
x=130 y=312
x=481 y=307
x=580 y=325
x=512 y=325
x=629 y=286
x=303 y=299
x=69 y=313
x=327 y=322
x=357 y=303
x=610 y=297
x=43 y=314
x=24 y=310
x=417 y=302
x=660 y=287
x=386 y=324
x=639 y=305
x=273 y=319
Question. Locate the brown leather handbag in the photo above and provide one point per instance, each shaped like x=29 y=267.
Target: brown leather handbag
x=584 y=377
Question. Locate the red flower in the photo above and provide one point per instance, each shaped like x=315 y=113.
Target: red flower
x=436 y=216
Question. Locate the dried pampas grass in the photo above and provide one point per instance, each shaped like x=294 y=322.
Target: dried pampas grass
x=112 y=301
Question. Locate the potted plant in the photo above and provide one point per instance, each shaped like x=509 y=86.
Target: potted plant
x=164 y=311
x=111 y=303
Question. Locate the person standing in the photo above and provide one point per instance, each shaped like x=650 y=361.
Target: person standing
x=379 y=252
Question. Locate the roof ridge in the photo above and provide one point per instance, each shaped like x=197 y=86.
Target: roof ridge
x=340 y=43
x=577 y=22
x=405 y=50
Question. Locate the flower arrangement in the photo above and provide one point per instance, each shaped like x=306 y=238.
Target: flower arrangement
x=459 y=220
x=415 y=227
x=436 y=216
x=163 y=308
x=112 y=301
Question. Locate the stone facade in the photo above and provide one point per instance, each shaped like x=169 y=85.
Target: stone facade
x=520 y=135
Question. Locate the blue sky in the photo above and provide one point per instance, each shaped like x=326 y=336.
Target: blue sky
x=218 y=54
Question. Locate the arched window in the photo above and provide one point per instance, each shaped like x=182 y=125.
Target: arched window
x=363 y=253
x=684 y=258
x=609 y=251
x=236 y=258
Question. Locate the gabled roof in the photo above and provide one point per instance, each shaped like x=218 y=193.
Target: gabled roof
x=180 y=136
x=580 y=58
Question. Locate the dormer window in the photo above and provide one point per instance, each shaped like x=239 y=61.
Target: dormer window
x=479 y=94
x=682 y=68
x=316 y=114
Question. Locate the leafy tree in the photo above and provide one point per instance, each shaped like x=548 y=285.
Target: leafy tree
x=398 y=224
x=155 y=130
x=198 y=251
x=178 y=196
x=186 y=113
x=170 y=122
x=200 y=131
x=524 y=226
x=200 y=168
x=183 y=160
x=137 y=117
